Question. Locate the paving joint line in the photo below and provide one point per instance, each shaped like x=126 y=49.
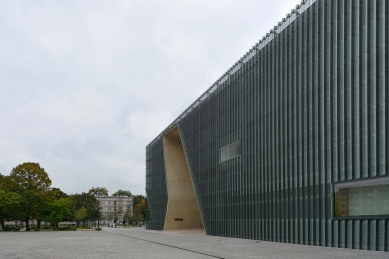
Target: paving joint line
x=171 y=246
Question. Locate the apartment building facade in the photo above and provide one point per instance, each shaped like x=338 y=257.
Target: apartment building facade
x=112 y=207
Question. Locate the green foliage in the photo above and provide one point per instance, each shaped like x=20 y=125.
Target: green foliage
x=89 y=202
x=122 y=193
x=8 y=204
x=80 y=214
x=140 y=209
x=98 y=229
x=58 y=210
x=32 y=183
x=8 y=199
x=57 y=193
x=30 y=176
x=137 y=199
x=127 y=216
x=98 y=191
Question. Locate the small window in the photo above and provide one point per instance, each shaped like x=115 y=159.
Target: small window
x=114 y=203
x=229 y=152
x=362 y=198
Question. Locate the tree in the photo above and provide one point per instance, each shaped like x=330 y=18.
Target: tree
x=115 y=217
x=57 y=193
x=8 y=203
x=137 y=199
x=32 y=183
x=80 y=214
x=58 y=210
x=122 y=193
x=140 y=206
x=42 y=201
x=127 y=217
x=140 y=210
x=98 y=191
x=89 y=202
x=109 y=218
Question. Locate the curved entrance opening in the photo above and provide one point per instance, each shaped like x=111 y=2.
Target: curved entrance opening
x=182 y=207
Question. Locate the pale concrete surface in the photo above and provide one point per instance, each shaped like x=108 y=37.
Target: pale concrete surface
x=140 y=243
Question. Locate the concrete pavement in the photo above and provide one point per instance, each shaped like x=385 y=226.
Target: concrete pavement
x=141 y=243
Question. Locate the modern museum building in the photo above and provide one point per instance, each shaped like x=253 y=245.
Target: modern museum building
x=291 y=143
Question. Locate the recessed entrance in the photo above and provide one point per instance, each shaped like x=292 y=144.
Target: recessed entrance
x=182 y=207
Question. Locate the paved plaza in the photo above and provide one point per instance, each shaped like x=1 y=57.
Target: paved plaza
x=140 y=243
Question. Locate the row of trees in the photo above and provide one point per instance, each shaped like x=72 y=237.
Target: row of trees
x=27 y=194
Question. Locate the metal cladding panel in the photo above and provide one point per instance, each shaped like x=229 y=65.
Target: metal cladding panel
x=156 y=188
x=310 y=109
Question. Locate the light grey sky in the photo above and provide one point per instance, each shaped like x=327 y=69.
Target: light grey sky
x=86 y=85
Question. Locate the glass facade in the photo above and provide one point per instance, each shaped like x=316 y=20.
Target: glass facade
x=309 y=108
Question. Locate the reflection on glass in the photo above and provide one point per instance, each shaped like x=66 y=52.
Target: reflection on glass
x=362 y=198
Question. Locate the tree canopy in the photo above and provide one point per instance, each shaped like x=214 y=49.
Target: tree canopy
x=140 y=210
x=80 y=214
x=122 y=193
x=58 y=210
x=32 y=183
x=8 y=205
x=57 y=193
x=127 y=216
x=98 y=191
x=89 y=202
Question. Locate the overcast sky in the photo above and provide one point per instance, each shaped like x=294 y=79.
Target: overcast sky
x=86 y=85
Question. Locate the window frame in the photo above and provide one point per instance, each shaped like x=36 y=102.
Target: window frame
x=356 y=217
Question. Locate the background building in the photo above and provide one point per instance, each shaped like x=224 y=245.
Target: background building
x=291 y=143
x=114 y=206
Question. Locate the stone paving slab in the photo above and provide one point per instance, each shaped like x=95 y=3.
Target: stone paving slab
x=140 y=243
